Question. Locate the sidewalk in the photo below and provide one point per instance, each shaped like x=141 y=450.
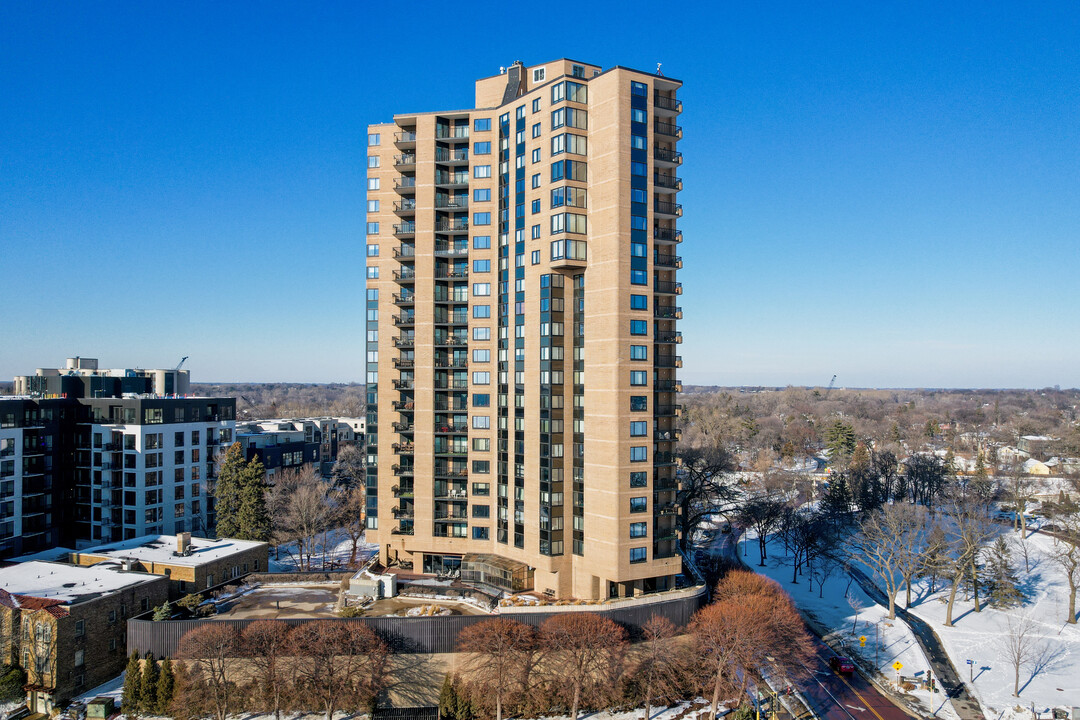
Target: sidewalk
x=966 y=706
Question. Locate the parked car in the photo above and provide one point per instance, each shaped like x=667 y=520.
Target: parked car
x=841 y=665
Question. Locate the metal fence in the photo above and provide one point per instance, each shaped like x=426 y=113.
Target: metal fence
x=409 y=634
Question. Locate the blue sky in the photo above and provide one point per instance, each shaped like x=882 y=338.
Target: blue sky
x=885 y=192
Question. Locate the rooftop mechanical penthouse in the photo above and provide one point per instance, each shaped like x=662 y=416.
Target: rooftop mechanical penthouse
x=522 y=306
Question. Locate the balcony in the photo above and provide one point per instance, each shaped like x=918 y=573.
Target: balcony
x=405 y=206
x=452 y=274
x=667 y=208
x=401 y=530
x=663 y=128
x=455 y=406
x=453 y=341
x=402 y=427
x=403 y=448
x=405 y=513
x=456 y=226
x=666 y=182
x=402 y=384
x=452 y=157
x=443 y=179
x=451 y=471
x=666 y=509
x=405 y=275
x=452 y=384
x=667 y=361
x=408 y=160
x=400 y=492
x=664 y=104
x=405 y=320
x=664 y=287
x=405 y=185
x=447 y=428
x=667 y=386
x=667 y=235
x=448 y=250
x=403 y=405
x=451 y=450
x=452 y=363
x=406 y=228
x=452 y=203
x=668 y=338
x=667 y=312
x=664 y=458
x=404 y=363
x=672 y=435
x=405 y=139
x=401 y=299
x=404 y=342
x=662 y=260
x=456 y=132
x=457 y=318
x=666 y=157
x=402 y=470
x=451 y=517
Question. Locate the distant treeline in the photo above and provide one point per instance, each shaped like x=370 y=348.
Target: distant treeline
x=273 y=400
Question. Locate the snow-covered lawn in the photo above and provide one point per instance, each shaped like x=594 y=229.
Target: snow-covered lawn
x=980 y=636
x=332 y=552
x=887 y=641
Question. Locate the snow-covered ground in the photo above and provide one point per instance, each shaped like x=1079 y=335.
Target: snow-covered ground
x=887 y=641
x=979 y=637
x=331 y=553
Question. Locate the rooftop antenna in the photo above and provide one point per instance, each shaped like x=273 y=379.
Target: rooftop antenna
x=658 y=69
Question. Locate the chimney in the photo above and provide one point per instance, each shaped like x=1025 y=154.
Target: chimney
x=183 y=543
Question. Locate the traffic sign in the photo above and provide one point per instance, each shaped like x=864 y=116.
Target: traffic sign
x=897 y=666
x=862 y=640
x=970 y=662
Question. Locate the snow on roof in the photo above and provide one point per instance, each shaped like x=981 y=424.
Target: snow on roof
x=162 y=549
x=63 y=584
x=56 y=554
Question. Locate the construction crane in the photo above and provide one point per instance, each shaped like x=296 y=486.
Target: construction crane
x=182 y=361
x=829 y=389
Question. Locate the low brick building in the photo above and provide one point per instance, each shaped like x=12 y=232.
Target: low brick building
x=192 y=564
x=66 y=625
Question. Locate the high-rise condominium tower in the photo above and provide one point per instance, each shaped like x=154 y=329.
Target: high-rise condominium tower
x=521 y=333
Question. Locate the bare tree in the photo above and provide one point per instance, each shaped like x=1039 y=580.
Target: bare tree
x=301 y=511
x=968 y=532
x=39 y=647
x=914 y=549
x=352 y=516
x=585 y=650
x=342 y=665
x=878 y=545
x=1020 y=490
x=1020 y=645
x=265 y=643
x=762 y=514
x=704 y=488
x=500 y=649
x=750 y=624
x=348 y=470
x=209 y=648
x=660 y=666
x=856 y=605
x=1066 y=555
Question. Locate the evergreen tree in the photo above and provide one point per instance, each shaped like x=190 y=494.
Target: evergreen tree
x=240 y=497
x=132 y=693
x=166 y=687
x=1004 y=592
x=254 y=518
x=836 y=504
x=448 y=699
x=162 y=612
x=840 y=439
x=464 y=707
x=227 y=492
x=148 y=685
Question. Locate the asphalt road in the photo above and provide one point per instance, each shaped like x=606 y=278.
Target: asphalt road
x=843 y=697
x=831 y=696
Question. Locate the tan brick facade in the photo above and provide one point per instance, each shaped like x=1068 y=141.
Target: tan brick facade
x=519 y=259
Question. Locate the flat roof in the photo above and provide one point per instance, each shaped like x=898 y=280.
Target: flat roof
x=67 y=584
x=56 y=554
x=162 y=549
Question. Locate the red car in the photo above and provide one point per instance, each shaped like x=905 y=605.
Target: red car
x=841 y=665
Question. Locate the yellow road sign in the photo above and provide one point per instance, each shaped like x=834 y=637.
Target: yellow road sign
x=862 y=640
x=897 y=666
